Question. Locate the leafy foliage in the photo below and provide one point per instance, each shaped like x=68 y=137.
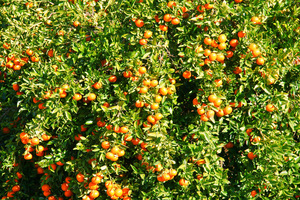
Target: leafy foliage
x=122 y=91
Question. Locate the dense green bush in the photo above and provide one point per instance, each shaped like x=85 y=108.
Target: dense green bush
x=149 y=99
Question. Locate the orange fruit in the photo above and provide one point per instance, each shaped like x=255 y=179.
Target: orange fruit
x=76 y=23
x=148 y=34
x=143 y=42
x=127 y=74
x=187 y=74
x=166 y=177
x=45 y=188
x=124 y=129
x=222 y=38
x=46 y=137
x=175 y=21
x=222 y=46
x=251 y=156
x=171 y=4
x=217 y=102
x=204 y=118
x=158 y=167
x=135 y=141
x=241 y=34
x=163 y=91
x=143 y=90
x=16 y=87
x=142 y=70
x=227 y=110
x=64 y=186
x=208 y=6
x=94 y=194
x=80 y=177
x=202 y=8
x=270 y=108
x=237 y=70
x=252 y=46
x=110 y=192
x=173 y=172
x=212 y=98
x=218 y=82
x=260 y=61
x=229 y=145
x=220 y=113
x=121 y=153
x=183 y=182
x=93 y=186
x=105 y=145
x=210 y=113
x=158 y=116
x=255 y=52
x=200 y=111
x=77 y=97
x=118 y=192
x=29 y=52
x=35 y=141
x=115 y=150
x=212 y=56
x=68 y=193
x=234 y=42
x=109 y=155
x=151 y=119
x=139 y=104
x=139 y=23
x=97 y=85
x=153 y=83
x=253 y=193
x=163 y=27
x=6 y=130
x=256 y=139
x=112 y=79
x=207 y=52
x=16 y=67
x=167 y=17
x=91 y=97
x=16 y=188
x=158 y=98
x=146 y=82
x=255 y=20
x=154 y=106
x=229 y=54
x=220 y=57
x=207 y=41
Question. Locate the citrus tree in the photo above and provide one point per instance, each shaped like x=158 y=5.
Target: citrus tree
x=149 y=99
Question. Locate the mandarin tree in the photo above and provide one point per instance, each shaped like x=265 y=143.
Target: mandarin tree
x=149 y=99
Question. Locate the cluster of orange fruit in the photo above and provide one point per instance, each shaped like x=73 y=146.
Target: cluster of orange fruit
x=93 y=185
x=151 y=84
x=168 y=18
x=167 y=175
x=15 y=188
x=30 y=143
x=47 y=192
x=11 y=62
x=62 y=92
x=114 y=153
x=16 y=88
x=115 y=191
x=209 y=114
